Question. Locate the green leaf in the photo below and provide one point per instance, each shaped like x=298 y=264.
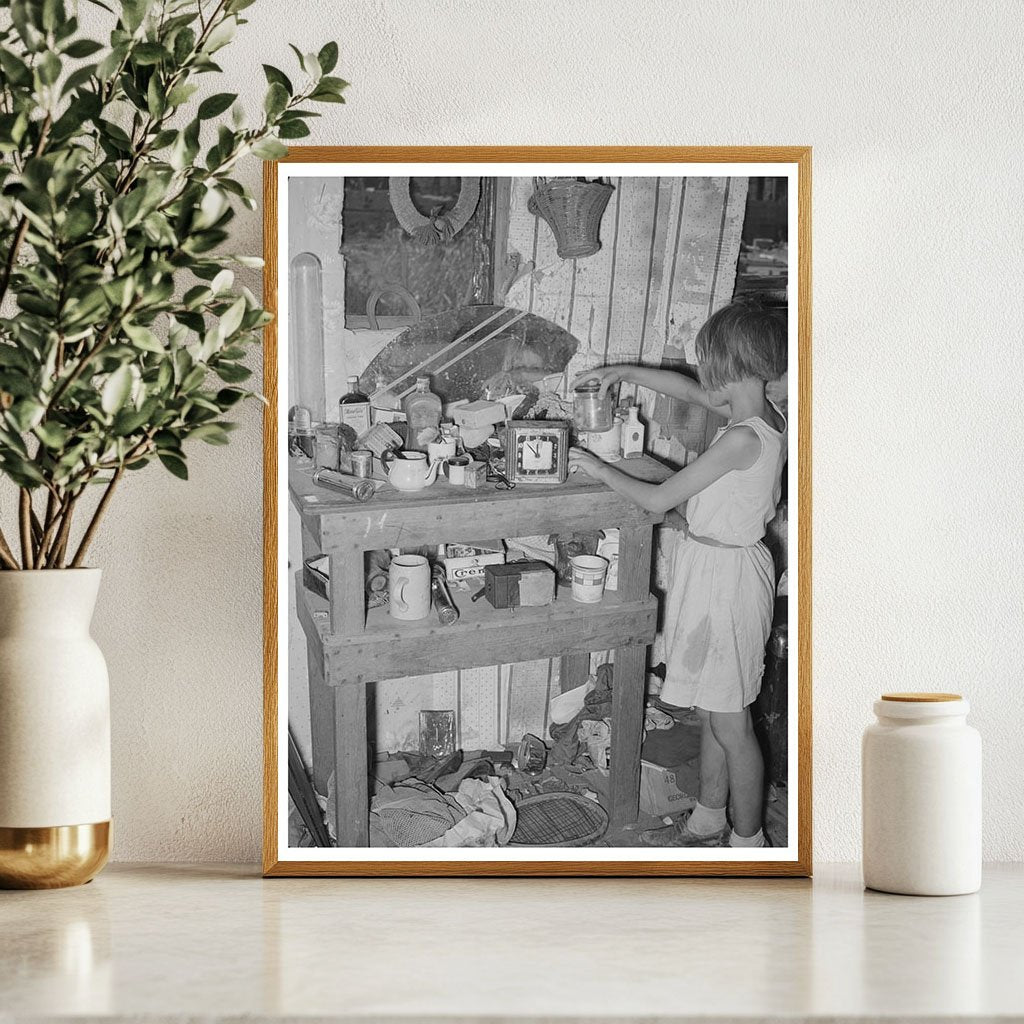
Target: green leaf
x=53 y=435
x=292 y=130
x=181 y=94
x=232 y=373
x=222 y=281
x=232 y=319
x=274 y=76
x=184 y=44
x=216 y=104
x=174 y=464
x=338 y=85
x=26 y=413
x=269 y=149
x=116 y=390
x=276 y=100
x=211 y=433
x=221 y=35
x=144 y=338
x=83 y=48
x=328 y=57
x=16 y=70
x=49 y=68
x=149 y=53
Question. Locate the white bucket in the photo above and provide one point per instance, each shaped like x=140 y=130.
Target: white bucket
x=588 y=577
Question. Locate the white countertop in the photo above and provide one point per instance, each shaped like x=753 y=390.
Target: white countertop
x=215 y=941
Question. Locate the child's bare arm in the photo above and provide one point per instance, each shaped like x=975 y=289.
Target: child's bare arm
x=735 y=449
x=665 y=382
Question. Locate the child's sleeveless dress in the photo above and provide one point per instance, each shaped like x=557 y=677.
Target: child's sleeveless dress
x=718 y=614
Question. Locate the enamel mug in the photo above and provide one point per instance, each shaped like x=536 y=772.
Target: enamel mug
x=409 y=587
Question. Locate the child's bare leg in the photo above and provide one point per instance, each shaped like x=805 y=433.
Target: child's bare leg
x=714 y=771
x=734 y=732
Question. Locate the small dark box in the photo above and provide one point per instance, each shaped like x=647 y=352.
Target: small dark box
x=527 y=584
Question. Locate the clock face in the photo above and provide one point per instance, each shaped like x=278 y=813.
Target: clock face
x=538 y=454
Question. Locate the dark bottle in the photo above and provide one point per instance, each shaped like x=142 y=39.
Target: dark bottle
x=354 y=408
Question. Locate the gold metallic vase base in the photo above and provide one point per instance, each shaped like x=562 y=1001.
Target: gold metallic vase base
x=52 y=858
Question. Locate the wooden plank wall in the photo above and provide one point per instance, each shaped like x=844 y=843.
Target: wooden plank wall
x=667 y=261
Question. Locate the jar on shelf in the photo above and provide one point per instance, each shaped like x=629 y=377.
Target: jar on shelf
x=326 y=447
x=921 y=777
x=591 y=410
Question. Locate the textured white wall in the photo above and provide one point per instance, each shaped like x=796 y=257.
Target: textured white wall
x=913 y=110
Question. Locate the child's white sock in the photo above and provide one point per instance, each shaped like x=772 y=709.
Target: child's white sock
x=756 y=840
x=706 y=821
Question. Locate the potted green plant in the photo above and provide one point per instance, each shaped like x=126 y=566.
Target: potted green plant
x=122 y=339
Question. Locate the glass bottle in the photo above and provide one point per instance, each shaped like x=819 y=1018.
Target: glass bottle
x=354 y=408
x=422 y=410
x=633 y=432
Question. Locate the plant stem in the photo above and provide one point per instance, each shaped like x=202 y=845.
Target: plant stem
x=60 y=543
x=25 y=522
x=6 y=554
x=94 y=523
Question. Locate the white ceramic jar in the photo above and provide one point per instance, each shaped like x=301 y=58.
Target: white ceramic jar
x=921 y=778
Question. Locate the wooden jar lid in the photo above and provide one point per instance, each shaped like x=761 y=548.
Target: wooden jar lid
x=921 y=698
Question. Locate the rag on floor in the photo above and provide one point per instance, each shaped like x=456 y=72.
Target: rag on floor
x=414 y=813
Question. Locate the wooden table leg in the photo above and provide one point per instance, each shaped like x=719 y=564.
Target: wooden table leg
x=627 y=732
x=321 y=720
x=351 y=784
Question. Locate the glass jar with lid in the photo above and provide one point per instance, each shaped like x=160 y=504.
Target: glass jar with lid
x=591 y=410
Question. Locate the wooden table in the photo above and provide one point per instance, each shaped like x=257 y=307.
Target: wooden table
x=348 y=647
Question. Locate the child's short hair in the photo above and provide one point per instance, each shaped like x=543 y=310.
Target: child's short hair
x=742 y=340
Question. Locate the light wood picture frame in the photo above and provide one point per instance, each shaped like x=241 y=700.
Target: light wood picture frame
x=345 y=663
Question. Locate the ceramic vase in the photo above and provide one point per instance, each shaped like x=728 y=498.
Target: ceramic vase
x=54 y=731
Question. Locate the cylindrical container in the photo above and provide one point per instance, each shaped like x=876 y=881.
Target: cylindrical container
x=54 y=731
x=301 y=439
x=457 y=469
x=605 y=444
x=447 y=613
x=443 y=450
x=590 y=409
x=362 y=463
x=326 y=447
x=343 y=483
x=306 y=333
x=409 y=587
x=921 y=779
x=588 y=576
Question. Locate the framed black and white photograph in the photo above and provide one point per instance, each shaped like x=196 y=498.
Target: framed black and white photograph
x=537 y=511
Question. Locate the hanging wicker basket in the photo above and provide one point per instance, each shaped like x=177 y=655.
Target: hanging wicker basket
x=573 y=209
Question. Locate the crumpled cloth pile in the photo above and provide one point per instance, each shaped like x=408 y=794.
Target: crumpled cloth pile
x=413 y=813
x=597 y=705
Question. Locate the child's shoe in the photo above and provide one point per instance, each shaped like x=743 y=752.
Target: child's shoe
x=677 y=834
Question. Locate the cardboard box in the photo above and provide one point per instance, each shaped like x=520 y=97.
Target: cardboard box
x=467 y=561
x=659 y=794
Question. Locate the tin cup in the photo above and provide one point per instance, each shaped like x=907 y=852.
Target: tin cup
x=457 y=469
x=362 y=463
x=589 y=573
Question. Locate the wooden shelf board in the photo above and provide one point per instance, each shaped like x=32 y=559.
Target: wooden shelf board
x=483 y=635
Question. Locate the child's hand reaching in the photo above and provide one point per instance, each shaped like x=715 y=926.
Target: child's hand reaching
x=581 y=460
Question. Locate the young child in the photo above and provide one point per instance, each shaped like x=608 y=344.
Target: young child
x=722 y=587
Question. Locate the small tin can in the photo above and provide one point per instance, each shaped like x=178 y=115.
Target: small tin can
x=362 y=463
